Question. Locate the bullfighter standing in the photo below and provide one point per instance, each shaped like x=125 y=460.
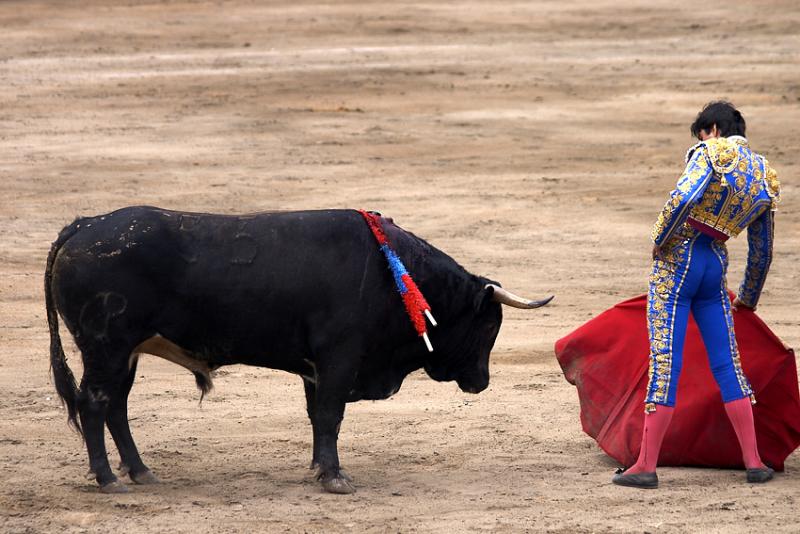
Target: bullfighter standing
x=725 y=188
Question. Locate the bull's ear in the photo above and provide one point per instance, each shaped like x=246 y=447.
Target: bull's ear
x=483 y=298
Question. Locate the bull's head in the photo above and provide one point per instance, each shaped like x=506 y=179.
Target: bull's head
x=464 y=343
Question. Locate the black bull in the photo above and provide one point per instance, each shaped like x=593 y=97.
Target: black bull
x=306 y=292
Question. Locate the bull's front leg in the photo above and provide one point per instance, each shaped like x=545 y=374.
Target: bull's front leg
x=327 y=420
x=329 y=404
x=311 y=407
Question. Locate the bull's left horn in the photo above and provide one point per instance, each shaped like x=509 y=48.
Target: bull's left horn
x=510 y=299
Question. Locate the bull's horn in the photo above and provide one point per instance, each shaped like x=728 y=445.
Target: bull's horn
x=506 y=297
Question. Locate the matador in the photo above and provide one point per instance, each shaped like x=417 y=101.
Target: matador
x=725 y=188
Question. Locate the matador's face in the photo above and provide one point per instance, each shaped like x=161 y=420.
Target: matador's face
x=711 y=133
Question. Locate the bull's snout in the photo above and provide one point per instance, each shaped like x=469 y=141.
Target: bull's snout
x=473 y=389
x=474 y=383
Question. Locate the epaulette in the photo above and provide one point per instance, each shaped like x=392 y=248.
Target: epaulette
x=723 y=154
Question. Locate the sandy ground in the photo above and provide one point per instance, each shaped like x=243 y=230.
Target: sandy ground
x=532 y=141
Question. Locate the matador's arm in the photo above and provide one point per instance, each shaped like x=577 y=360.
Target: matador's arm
x=760 y=236
x=691 y=186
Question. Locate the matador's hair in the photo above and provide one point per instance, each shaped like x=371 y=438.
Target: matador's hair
x=728 y=119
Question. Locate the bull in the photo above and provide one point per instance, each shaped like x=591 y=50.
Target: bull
x=307 y=292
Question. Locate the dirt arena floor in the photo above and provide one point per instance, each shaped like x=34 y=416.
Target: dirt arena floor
x=534 y=142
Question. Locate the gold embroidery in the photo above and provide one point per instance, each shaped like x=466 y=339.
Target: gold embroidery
x=665 y=283
x=723 y=153
x=722 y=254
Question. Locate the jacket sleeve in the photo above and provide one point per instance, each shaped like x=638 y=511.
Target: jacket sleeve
x=760 y=235
x=691 y=186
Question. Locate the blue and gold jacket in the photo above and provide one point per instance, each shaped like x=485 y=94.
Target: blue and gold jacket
x=727 y=187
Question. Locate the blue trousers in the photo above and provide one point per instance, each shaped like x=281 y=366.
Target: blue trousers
x=691 y=277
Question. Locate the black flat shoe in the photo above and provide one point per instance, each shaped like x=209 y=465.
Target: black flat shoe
x=760 y=475
x=638 y=480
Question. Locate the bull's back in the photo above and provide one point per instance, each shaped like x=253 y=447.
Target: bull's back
x=267 y=257
x=230 y=248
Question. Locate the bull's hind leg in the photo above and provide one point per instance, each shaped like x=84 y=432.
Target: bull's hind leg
x=106 y=381
x=117 y=422
x=93 y=403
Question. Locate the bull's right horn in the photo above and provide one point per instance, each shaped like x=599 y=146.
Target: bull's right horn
x=508 y=298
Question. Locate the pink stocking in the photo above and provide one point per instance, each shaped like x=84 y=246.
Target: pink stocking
x=655 y=426
x=740 y=412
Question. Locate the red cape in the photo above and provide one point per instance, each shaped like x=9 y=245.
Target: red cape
x=607 y=360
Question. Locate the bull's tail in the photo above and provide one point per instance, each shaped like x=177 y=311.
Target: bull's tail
x=62 y=375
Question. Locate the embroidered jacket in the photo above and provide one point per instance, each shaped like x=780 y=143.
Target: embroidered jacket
x=728 y=188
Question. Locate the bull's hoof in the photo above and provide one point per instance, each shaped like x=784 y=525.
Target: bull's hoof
x=322 y=475
x=339 y=485
x=114 y=487
x=314 y=465
x=336 y=482
x=123 y=469
x=145 y=478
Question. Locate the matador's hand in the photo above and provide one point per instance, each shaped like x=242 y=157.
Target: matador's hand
x=736 y=304
x=657 y=254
